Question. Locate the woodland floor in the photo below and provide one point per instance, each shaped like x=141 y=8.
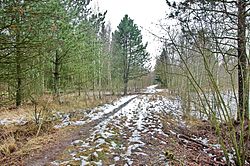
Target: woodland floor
x=143 y=129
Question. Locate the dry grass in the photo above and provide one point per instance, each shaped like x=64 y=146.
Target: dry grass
x=8 y=146
x=19 y=135
x=17 y=141
x=72 y=102
x=37 y=143
x=68 y=103
x=24 y=111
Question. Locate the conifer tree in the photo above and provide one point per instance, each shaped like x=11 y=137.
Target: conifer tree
x=133 y=54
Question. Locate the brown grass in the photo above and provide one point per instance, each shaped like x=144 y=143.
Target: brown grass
x=17 y=141
x=8 y=146
x=46 y=103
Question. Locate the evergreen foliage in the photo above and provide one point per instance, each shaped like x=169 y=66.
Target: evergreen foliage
x=130 y=51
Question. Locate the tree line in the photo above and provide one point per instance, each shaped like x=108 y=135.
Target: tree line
x=64 y=46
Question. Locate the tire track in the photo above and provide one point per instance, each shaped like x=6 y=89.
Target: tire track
x=52 y=150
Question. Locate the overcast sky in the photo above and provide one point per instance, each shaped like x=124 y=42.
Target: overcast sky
x=145 y=13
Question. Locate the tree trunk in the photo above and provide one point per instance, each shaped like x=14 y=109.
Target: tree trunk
x=243 y=84
x=56 y=75
x=99 y=79
x=126 y=69
x=18 y=64
x=125 y=90
x=93 y=92
x=79 y=90
x=19 y=83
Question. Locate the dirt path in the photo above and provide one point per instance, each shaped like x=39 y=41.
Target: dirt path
x=147 y=129
x=52 y=150
x=131 y=135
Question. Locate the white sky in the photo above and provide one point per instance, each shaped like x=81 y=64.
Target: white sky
x=145 y=13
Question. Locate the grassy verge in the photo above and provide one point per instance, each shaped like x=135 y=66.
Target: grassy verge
x=19 y=140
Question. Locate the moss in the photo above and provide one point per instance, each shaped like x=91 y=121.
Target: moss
x=102 y=155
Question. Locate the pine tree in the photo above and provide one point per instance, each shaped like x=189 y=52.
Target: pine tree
x=21 y=43
x=133 y=54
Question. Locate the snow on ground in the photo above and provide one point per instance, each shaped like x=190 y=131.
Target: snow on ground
x=107 y=108
x=65 y=118
x=126 y=137
x=15 y=121
x=165 y=105
x=153 y=89
x=217 y=107
x=131 y=135
x=121 y=138
x=94 y=114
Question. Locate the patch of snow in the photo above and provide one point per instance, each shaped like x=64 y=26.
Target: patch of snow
x=141 y=153
x=77 y=142
x=129 y=162
x=159 y=130
x=84 y=163
x=228 y=98
x=99 y=163
x=107 y=134
x=100 y=141
x=116 y=158
x=204 y=141
x=15 y=121
x=217 y=146
x=164 y=105
x=55 y=163
x=107 y=108
x=64 y=124
x=113 y=144
x=76 y=159
x=95 y=154
x=78 y=123
x=211 y=155
x=174 y=133
x=138 y=118
x=151 y=89
x=94 y=114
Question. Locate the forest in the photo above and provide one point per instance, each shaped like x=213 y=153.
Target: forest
x=74 y=91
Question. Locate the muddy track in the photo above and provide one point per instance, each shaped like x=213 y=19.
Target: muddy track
x=52 y=150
